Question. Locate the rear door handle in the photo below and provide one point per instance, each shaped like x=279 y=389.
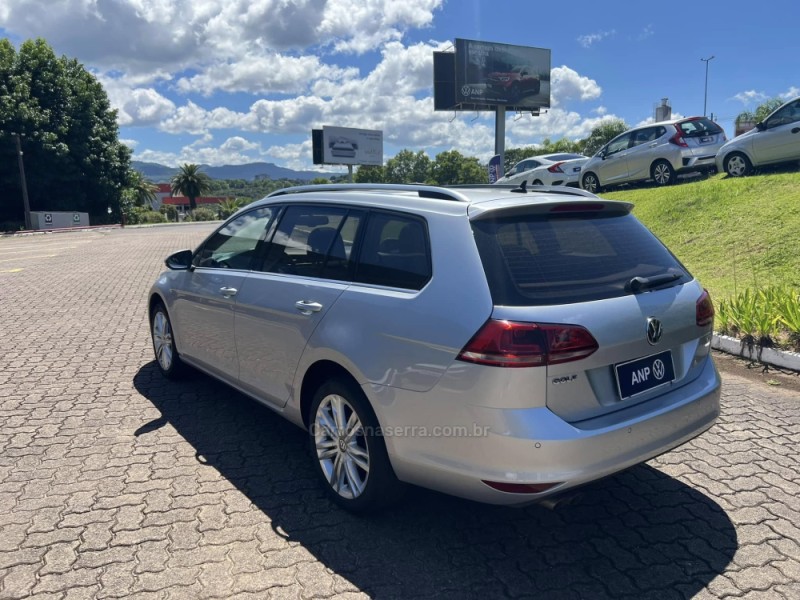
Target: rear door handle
x=307 y=307
x=228 y=292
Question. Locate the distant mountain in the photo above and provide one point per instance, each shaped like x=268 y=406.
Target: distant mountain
x=158 y=173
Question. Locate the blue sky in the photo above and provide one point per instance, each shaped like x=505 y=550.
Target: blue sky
x=233 y=81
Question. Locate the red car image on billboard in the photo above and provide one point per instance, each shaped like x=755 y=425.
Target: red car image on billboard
x=493 y=74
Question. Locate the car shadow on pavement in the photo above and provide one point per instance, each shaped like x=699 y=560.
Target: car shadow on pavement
x=640 y=533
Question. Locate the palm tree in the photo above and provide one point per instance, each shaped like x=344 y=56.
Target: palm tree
x=190 y=182
x=142 y=191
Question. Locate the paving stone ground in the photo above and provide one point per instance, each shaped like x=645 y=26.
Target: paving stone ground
x=115 y=483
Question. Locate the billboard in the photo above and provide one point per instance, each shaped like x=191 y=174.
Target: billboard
x=348 y=146
x=489 y=74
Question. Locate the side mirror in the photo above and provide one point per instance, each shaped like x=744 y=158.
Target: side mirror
x=761 y=125
x=180 y=261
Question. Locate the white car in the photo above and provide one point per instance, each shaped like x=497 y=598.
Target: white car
x=562 y=168
x=776 y=139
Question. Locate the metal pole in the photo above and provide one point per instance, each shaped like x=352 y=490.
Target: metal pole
x=705 y=93
x=25 y=202
x=500 y=136
x=350 y=173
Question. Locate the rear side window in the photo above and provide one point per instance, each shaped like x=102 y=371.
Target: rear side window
x=538 y=260
x=395 y=252
x=699 y=127
x=314 y=241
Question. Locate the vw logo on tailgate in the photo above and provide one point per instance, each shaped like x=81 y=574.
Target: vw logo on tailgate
x=654 y=331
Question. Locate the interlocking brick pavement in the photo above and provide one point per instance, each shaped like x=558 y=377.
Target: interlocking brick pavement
x=116 y=483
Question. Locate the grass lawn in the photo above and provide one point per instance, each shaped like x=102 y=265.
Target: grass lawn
x=730 y=233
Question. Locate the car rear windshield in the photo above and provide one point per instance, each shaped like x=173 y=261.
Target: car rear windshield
x=564 y=156
x=699 y=127
x=576 y=257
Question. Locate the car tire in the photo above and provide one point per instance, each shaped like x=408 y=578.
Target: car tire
x=166 y=352
x=662 y=173
x=737 y=165
x=537 y=182
x=348 y=449
x=591 y=183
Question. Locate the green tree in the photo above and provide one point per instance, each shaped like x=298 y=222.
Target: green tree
x=142 y=190
x=452 y=168
x=190 y=182
x=407 y=167
x=319 y=181
x=602 y=134
x=68 y=133
x=369 y=174
x=229 y=206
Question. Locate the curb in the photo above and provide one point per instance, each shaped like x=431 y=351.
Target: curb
x=777 y=358
x=59 y=230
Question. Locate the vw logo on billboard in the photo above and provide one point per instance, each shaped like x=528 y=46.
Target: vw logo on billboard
x=654 y=331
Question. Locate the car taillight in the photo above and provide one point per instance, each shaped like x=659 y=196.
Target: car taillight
x=677 y=139
x=705 y=310
x=556 y=168
x=517 y=344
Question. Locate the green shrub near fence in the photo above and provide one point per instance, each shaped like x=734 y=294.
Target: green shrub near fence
x=768 y=317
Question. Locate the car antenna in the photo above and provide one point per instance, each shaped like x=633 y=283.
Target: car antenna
x=523 y=187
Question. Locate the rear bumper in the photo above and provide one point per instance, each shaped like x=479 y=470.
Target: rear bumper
x=534 y=445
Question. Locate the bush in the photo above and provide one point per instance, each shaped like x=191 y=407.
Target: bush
x=202 y=214
x=140 y=215
x=12 y=225
x=768 y=317
x=169 y=211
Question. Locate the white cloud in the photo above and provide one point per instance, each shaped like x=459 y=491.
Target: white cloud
x=646 y=33
x=235 y=150
x=568 y=84
x=750 y=97
x=792 y=92
x=592 y=38
x=129 y=143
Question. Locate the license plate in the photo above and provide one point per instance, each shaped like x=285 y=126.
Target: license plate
x=706 y=140
x=576 y=169
x=643 y=374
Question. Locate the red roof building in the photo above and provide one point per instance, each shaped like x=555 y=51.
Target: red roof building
x=164 y=196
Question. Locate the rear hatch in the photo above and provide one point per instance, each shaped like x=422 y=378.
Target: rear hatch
x=701 y=135
x=590 y=266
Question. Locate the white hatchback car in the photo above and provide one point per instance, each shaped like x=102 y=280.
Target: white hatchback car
x=562 y=168
x=774 y=140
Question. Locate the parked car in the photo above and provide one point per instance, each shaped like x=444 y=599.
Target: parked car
x=658 y=151
x=501 y=345
x=562 y=168
x=776 y=139
x=514 y=84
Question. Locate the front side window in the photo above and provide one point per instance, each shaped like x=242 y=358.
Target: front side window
x=395 y=252
x=314 y=241
x=234 y=245
x=619 y=144
x=788 y=114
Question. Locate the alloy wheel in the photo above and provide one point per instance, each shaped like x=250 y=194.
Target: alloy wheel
x=341 y=446
x=162 y=340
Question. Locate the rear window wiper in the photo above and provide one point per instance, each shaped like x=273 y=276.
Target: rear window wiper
x=637 y=284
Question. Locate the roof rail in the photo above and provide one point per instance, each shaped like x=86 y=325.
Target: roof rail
x=550 y=189
x=424 y=191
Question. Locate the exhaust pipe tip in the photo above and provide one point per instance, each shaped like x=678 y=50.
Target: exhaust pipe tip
x=561 y=501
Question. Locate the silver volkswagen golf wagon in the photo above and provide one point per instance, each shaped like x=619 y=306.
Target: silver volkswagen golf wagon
x=494 y=343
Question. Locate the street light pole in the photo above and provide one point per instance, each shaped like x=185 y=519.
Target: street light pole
x=705 y=94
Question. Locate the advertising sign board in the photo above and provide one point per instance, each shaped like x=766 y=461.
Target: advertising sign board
x=349 y=146
x=490 y=74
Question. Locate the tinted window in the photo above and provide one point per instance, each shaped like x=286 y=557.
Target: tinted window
x=534 y=260
x=234 y=245
x=699 y=127
x=644 y=136
x=314 y=241
x=395 y=252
